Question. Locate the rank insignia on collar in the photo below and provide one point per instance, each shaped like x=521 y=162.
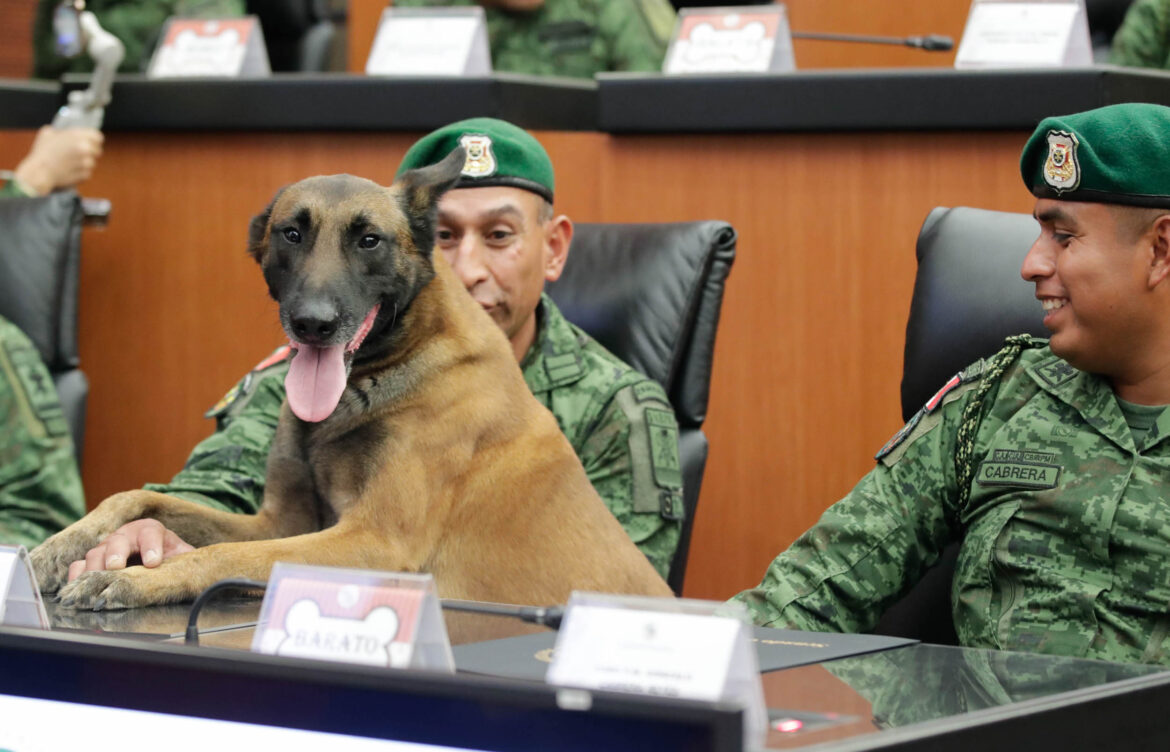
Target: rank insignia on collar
x=1062 y=171
x=480 y=162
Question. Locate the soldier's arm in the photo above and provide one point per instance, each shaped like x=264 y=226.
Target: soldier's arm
x=637 y=33
x=227 y=470
x=871 y=546
x=1141 y=41
x=631 y=457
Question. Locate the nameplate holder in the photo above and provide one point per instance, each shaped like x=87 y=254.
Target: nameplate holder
x=664 y=647
x=747 y=39
x=431 y=42
x=21 y=605
x=353 y=616
x=211 y=48
x=1025 y=34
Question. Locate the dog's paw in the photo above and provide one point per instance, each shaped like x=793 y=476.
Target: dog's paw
x=113 y=589
x=50 y=561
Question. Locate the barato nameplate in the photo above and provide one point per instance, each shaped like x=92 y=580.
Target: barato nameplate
x=647 y=646
x=353 y=616
x=218 y=48
x=430 y=42
x=21 y=605
x=748 y=39
x=1025 y=34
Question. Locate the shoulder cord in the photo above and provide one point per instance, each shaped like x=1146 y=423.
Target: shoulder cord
x=972 y=417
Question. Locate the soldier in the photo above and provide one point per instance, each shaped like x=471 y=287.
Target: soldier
x=40 y=487
x=498 y=229
x=1050 y=460
x=1143 y=39
x=576 y=38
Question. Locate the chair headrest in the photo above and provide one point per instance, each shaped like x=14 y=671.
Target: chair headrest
x=651 y=294
x=968 y=296
x=40 y=250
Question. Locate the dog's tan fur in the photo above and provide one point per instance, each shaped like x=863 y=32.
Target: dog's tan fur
x=437 y=459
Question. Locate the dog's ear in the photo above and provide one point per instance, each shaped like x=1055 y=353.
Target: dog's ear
x=258 y=227
x=421 y=191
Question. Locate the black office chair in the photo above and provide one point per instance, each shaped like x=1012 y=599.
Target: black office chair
x=968 y=297
x=40 y=261
x=651 y=294
x=302 y=35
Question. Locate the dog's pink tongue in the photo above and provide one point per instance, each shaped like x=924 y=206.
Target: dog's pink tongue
x=315 y=381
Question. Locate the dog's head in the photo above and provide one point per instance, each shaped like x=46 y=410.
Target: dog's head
x=344 y=257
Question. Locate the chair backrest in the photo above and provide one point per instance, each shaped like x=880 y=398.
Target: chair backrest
x=40 y=261
x=968 y=297
x=300 y=35
x=651 y=294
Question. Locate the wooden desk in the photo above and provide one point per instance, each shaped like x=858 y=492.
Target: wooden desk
x=808 y=362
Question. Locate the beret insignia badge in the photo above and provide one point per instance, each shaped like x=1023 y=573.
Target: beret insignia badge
x=481 y=161
x=1062 y=171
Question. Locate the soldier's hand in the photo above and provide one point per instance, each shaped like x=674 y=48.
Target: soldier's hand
x=145 y=538
x=59 y=157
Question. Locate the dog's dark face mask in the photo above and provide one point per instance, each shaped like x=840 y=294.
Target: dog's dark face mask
x=344 y=257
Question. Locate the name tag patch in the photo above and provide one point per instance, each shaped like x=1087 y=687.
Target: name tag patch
x=1009 y=467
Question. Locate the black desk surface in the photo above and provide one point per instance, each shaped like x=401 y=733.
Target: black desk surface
x=823 y=100
x=917 y=697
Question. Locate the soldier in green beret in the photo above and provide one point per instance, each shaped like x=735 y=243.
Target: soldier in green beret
x=498 y=229
x=1050 y=460
x=575 y=38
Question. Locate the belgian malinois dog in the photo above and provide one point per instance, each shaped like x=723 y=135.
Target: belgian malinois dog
x=409 y=441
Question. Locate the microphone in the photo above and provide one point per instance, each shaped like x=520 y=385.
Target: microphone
x=930 y=42
x=545 y=616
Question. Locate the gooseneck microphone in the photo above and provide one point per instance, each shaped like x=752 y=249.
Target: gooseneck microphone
x=930 y=42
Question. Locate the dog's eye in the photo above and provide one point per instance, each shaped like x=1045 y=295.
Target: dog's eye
x=292 y=235
x=369 y=242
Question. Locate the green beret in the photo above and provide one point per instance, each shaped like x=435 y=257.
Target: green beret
x=498 y=153
x=1118 y=154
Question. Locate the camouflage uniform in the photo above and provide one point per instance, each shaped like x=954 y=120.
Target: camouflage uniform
x=1143 y=40
x=618 y=421
x=136 y=23
x=576 y=38
x=1062 y=517
x=40 y=488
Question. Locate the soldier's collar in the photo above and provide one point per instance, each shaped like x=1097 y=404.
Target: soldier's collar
x=554 y=359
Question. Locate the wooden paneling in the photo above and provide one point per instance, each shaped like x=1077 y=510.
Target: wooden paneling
x=16 y=21
x=808 y=361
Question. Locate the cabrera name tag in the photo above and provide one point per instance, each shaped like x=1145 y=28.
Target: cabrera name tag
x=222 y=48
x=21 y=605
x=1018 y=34
x=748 y=39
x=690 y=649
x=430 y=42
x=353 y=616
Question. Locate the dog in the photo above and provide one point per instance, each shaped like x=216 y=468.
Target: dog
x=408 y=442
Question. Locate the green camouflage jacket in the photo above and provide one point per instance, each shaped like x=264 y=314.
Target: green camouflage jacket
x=617 y=420
x=40 y=487
x=576 y=38
x=1143 y=40
x=136 y=22
x=1064 y=525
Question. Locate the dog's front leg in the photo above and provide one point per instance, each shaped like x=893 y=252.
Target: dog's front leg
x=184 y=577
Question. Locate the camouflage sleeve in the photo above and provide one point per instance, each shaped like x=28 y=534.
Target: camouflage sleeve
x=1143 y=40
x=11 y=190
x=40 y=486
x=637 y=32
x=136 y=23
x=872 y=545
x=227 y=469
x=618 y=455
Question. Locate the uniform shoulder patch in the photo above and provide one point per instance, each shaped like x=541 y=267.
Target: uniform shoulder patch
x=966 y=376
x=279 y=354
x=241 y=388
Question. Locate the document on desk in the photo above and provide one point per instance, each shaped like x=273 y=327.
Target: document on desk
x=528 y=656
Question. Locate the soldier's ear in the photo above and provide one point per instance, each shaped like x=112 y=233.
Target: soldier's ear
x=258 y=230
x=420 y=194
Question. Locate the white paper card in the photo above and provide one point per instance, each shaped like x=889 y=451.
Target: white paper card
x=748 y=39
x=353 y=616
x=649 y=646
x=219 y=48
x=21 y=604
x=1015 y=34
x=430 y=42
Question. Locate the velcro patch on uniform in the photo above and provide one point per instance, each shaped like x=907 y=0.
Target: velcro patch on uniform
x=1056 y=372
x=663 y=430
x=562 y=367
x=645 y=390
x=38 y=388
x=900 y=436
x=1027 y=469
x=933 y=403
x=277 y=355
x=233 y=394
